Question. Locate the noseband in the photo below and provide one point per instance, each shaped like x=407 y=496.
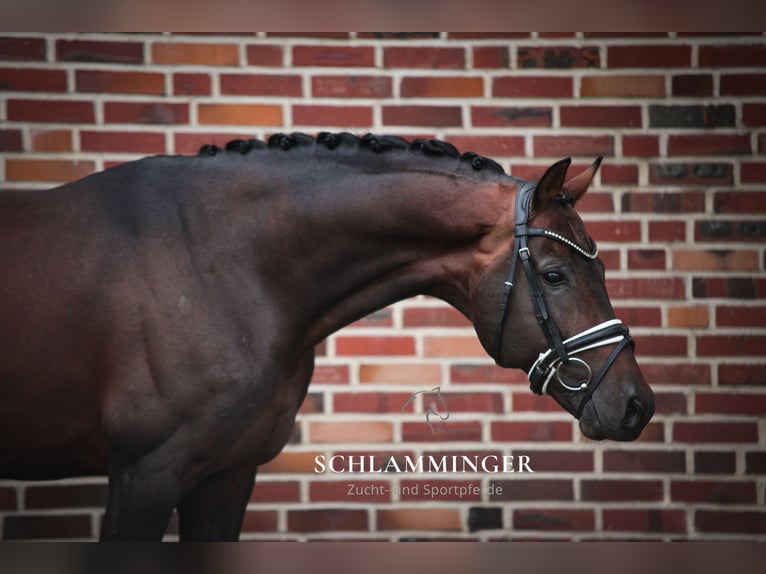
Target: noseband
x=560 y=352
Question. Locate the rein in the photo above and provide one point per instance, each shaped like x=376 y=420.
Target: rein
x=549 y=362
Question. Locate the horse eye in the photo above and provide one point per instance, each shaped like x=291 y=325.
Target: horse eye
x=553 y=277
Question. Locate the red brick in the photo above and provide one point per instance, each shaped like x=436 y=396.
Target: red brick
x=123 y=142
x=345 y=116
x=715 y=432
x=692 y=173
x=618 y=174
x=595 y=202
x=615 y=230
x=441 y=87
x=307 y=34
x=715 y=462
x=548 y=519
x=754 y=114
x=32 y=80
x=260 y=521
x=400 y=373
x=265 y=55
x=337 y=491
x=331 y=520
x=261 y=84
x=120 y=82
x=753 y=172
x=748 y=522
x=271 y=492
x=491 y=146
x=8 y=495
x=646 y=86
x=639 y=316
x=351 y=86
x=10 y=140
x=335 y=56
x=693 y=85
x=331 y=374
x=645 y=288
x=695 y=316
x=493 y=116
x=291 y=463
x=742 y=374
x=99 y=51
x=436 y=316
x=369 y=402
x=146 y=113
x=51 y=170
x=571 y=460
x=743 y=85
x=240 y=114
x=350 y=431
x=474 y=402
x=727 y=56
x=488 y=35
x=67 y=111
x=644 y=520
x=370 y=345
x=731 y=287
x=621 y=490
x=664 y=202
x=667 y=231
x=558 y=57
x=661 y=345
x=195 y=54
x=523 y=431
x=729 y=403
x=441 y=430
x=467 y=346
x=646 y=259
x=649 y=56
x=436 y=116
x=640 y=461
x=563 y=146
x=532 y=87
x=740 y=316
x=640 y=145
x=22 y=49
x=191 y=84
x=528 y=402
x=755 y=462
x=442 y=519
x=533 y=489
x=601 y=116
x=423 y=57
x=709 y=144
x=715 y=260
x=676 y=373
x=491 y=57
x=486 y=374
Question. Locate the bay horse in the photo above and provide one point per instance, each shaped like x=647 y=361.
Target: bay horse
x=158 y=319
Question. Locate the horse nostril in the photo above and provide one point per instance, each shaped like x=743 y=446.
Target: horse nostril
x=633 y=414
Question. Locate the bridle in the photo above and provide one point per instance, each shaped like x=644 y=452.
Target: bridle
x=560 y=352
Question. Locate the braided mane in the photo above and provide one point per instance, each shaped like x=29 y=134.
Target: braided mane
x=368 y=143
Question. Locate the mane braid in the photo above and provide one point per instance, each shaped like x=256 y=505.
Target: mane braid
x=370 y=142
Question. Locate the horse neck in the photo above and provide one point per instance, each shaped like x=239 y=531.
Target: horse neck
x=358 y=241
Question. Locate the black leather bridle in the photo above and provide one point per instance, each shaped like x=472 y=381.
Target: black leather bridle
x=560 y=351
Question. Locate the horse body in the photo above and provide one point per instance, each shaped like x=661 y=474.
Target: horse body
x=159 y=319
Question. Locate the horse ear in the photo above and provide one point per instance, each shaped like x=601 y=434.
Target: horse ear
x=578 y=185
x=552 y=181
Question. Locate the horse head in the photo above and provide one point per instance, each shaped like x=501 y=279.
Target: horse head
x=543 y=307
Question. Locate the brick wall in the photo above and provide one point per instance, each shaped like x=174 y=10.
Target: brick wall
x=679 y=209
